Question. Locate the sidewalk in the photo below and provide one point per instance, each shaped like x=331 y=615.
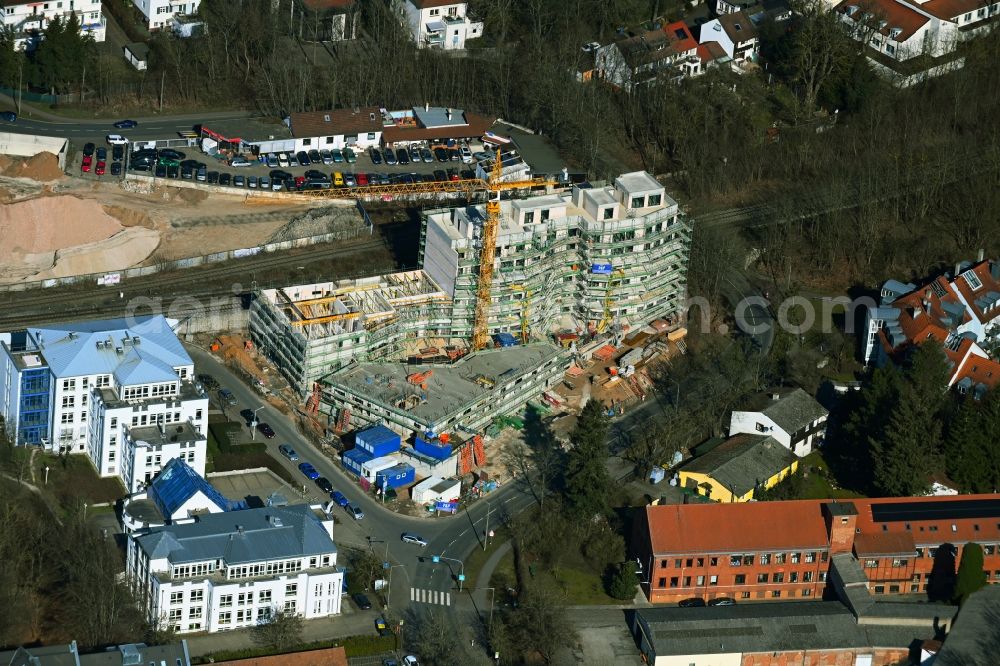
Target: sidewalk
x=30 y=110
x=348 y=624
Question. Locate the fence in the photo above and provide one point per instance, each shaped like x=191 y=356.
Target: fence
x=178 y=264
x=44 y=98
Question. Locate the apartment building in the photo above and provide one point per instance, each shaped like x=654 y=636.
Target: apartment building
x=959 y=310
x=26 y=19
x=666 y=53
x=595 y=258
x=232 y=570
x=438 y=24
x=121 y=391
x=784 y=550
x=161 y=13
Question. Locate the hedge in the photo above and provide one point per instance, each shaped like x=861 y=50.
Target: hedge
x=354 y=646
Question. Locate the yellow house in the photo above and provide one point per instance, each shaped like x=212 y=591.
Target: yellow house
x=738 y=467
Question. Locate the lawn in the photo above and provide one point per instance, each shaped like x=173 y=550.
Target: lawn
x=475 y=560
x=73 y=480
x=573 y=580
x=818 y=485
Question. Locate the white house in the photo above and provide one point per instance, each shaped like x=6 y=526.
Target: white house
x=178 y=493
x=235 y=569
x=359 y=127
x=122 y=391
x=669 y=52
x=137 y=55
x=26 y=18
x=160 y=13
x=439 y=24
x=794 y=419
x=735 y=34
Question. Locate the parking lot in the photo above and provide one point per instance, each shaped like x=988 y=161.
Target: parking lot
x=255 y=487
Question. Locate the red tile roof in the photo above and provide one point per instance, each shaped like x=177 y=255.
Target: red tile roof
x=736 y=528
x=895 y=14
x=950 y=9
x=710 y=52
x=965 y=528
x=884 y=543
x=328 y=657
x=679 y=34
x=336 y=121
x=983 y=272
x=475 y=126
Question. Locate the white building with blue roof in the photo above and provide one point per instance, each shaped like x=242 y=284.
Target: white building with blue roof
x=231 y=570
x=120 y=390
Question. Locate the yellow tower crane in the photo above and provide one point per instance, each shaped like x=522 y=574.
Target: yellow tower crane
x=613 y=281
x=525 y=311
x=487 y=255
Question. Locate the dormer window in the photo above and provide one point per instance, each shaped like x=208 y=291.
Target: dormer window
x=895 y=33
x=851 y=9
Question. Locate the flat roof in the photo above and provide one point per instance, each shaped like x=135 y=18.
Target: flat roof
x=637 y=181
x=766 y=627
x=535 y=149
x=449 y=389
x=172 y=433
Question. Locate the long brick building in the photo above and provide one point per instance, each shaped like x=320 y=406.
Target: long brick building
x=783 y=550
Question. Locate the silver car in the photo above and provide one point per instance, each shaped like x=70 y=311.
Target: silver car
x=288 y=452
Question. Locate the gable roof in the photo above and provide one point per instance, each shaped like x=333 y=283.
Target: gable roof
x=794 y=411
x=949 y=10
x=335 y=121
x=738 y=26
x=178 y=482
x=240 y=537
x=335 y=656
x=71 y=349
x=743 y=462
x=736 y=528
x=881 y=544
x=896 y=13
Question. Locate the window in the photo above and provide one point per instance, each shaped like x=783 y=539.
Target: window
x=899 y=563
x=894 y=589
x=793 y=577
x=226 y=600
x=306 y=142
x=653 y=200
x=197 y=595
x=988 y=549
x=607 y=213
x=701 y=562
x=176 y=597
x=677 y=564
x=436 y=12
x=195 y=613
x=713 y=580
x=291 y=589
x=779 y=558
x=795 y=557
x=871 y=564
x=290 y=606
x=674 y=581
x=822 y=576
x=197 y=415
x=263 y=613
x=776 y=594
x=68 y=401
x=735 y=560
x=807 y=577
x=744 y=595
x=880 y=589
x=663 y=564
x=264 y=596
x=778 y=578
x=69 y=385
x=638 y=202
x=689 y=562
x=662 y=582
x=762 y=578
x=67 y=417
x=687 y=581
x=765 y=558
x=529 y=217
x=175 y=614
x=810 y=558
x=740 y=579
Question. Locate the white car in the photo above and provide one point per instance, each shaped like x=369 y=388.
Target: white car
x=410 y=660
x=116 y=140
x=466 y=155
x=282 y=160
x=414 y=538
x=356 y=512
x=240 y=161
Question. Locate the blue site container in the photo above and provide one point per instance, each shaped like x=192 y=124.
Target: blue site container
x=505 y=340
x=396 y=476
x=354 y=459
x=378 y=441
x=434 y=449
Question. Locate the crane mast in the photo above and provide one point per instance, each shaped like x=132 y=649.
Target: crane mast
x=480 y=329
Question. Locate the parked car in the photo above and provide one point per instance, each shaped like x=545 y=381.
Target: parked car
x=309 y=471
x=324 y=484
x=440 y=175
x=427 y=178
x=441 y=154
x=414 y=539
x=266 y=430
x=383 y=179
x=349 y=180
x=252 y=182
x=271 y=160
x=159 y=172
x=426 y=155
x=326 y=156
x=8 y=116
x=362 y=179
x=88 y=161
x=454 y=155
x=225 y=179
x=226 y=396
x=389 y=661
x=338 y=155
x=240 y=161
x=303 y=158
x=349 y=156
x=453 y=174
x=415 y=155
x=375 y=155
x=314 y=156
x=88 y=149
x=466 y=154
x=116 y=168
x=362 y=601
x=482 y=155
x=265 y=183
x=100 y=168
x=172 y=154
x=338 y=179
x=410 y=660
x=381 y=627
x=402 y=157
x=239 y=181
x=722 y=601
x=292 y=160
x=339 y=498
x=283 y=160
x=173 y=171
x=117 y=153
x=695 y=602
x=279 y=175
x=212 y=178
x=126 y=124
x=116 y=139
x=356 y=512
x=389 y=156
x=101 y=154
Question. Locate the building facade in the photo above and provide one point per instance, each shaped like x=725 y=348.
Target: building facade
x=783 y=550
x=160 y=13
x=795 y=419
x=669 y=53
x=735 y=34
x=739 y=468
x=27 y=19
x=438 y=24
x=120 y=391
x=235 y=569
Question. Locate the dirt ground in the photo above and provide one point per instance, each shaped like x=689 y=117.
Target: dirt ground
x=52 y=226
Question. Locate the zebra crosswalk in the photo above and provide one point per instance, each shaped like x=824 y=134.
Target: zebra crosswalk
x=423 y=596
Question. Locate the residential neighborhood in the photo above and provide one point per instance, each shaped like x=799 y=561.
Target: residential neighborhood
x=425 y=332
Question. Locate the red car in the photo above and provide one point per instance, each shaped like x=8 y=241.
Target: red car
x=87 y=160
x=99 y=170
x=362 y=179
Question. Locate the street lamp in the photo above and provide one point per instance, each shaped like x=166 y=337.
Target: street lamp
x=486 y=534
x=461 y=576
x=492 y=596
x=253 y=424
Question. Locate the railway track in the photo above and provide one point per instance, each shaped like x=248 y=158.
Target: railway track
x=230 y=278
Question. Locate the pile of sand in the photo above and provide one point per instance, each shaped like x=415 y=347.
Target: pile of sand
x=41 y=167
x=126 y=248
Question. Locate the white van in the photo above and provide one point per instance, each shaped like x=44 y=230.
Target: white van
x=117 y=140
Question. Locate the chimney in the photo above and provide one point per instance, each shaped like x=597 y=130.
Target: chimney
x=447 y=113
x=427 y=106
x=958 y=268
x=841 y=520
x=982 y=253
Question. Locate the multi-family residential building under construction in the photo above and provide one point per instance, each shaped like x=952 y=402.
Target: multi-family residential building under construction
x=595 y=261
